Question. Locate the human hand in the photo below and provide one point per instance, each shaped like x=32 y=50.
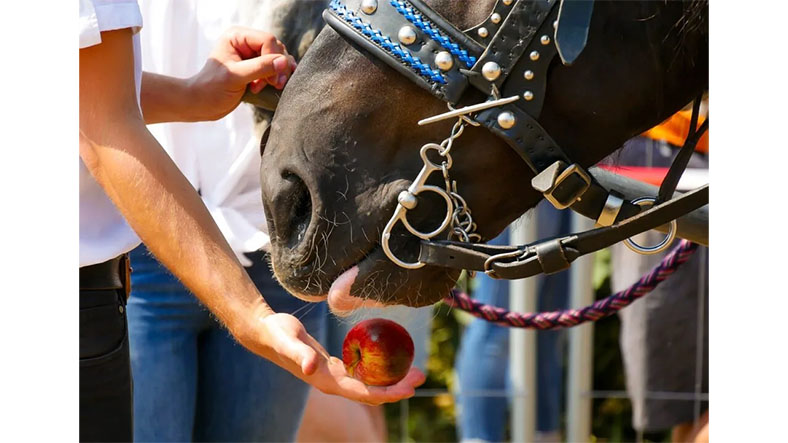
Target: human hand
x=282 y=339
x=241 y=57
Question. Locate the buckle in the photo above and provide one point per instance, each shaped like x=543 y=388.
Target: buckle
x=565 y=189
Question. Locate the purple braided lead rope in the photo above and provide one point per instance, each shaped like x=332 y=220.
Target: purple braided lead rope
x=573 y=317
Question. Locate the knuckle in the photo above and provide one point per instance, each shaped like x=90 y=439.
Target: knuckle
x=269 y=40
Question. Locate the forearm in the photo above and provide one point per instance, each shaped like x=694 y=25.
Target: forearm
x=166 y=99
x=169 y=216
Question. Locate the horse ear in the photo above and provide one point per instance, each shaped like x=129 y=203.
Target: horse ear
x=571 y=33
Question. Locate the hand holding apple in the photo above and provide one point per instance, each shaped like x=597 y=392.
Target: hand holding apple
x=378 y=352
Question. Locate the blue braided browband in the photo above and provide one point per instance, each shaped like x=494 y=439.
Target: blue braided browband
x=415 y=17
x=385 y=42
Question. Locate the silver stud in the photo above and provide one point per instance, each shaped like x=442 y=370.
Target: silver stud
x=528 y=95
x=482 y=32
x=545 y=39
x=406 y=35
x=529 y=75
x=507 y=2
x=495 y=18
x=555 y=24
x=369 y=6
x=506 y=120
x=444 y=61
x=407 y=200
x=534 y=55
x=491 y=71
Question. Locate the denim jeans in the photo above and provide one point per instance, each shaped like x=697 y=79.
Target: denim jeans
x=483 y=360
x=192 y=380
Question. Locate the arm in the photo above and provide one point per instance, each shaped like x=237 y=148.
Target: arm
x=242 y=56
x=166 y=212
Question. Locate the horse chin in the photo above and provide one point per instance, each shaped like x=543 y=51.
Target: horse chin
x=361 y=286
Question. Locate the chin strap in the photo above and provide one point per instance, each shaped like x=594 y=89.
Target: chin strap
x=554 y=255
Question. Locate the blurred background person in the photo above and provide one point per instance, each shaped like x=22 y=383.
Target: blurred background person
x=483 y=358
x=665 y=336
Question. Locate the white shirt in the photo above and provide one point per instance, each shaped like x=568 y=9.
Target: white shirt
x=221 y=159
x=103 y=232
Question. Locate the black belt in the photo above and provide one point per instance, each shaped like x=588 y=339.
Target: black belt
x=111 y=274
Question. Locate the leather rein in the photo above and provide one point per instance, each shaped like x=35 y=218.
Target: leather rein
x=506 y=57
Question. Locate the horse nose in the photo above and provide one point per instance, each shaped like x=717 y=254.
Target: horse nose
x=289 y=210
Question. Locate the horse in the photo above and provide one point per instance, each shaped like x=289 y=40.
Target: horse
x=344 y=143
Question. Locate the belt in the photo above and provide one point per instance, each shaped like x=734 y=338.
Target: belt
x=111 y=274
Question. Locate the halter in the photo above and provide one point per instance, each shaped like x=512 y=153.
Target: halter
x=506 y=57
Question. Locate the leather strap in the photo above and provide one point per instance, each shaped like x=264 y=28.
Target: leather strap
x=555 y=254
x=680 y=162
x=491 y=24
x=571 y=34
x=513 y=38
x=376 y=34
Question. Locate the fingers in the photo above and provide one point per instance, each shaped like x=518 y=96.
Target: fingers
x=405 y=388
x=303 y=355
x=321 y=356
x=268 y=67
x=257 y=57
x=310 y=360
x=288 y=336
x=250 y=42
x=257 y=85
x=308 y=339
x=374 y=395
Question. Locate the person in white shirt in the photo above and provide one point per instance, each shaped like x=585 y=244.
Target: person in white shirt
x=192 y=382
x=130 y=188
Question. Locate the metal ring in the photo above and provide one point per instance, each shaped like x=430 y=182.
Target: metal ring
x=659 y=247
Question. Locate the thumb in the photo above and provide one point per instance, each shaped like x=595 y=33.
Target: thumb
x=264 y=66
x=309 y=360
x=301 y=354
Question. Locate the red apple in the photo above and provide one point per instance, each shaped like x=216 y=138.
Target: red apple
x=378 y=352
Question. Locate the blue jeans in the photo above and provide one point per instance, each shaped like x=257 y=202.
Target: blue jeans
x=483 y=360
x=192 y=380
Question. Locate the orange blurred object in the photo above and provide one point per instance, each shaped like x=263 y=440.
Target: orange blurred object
x=675 y=129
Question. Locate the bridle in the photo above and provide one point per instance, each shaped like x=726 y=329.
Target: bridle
x=506 y=57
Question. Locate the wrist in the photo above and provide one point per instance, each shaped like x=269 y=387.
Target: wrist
x=169 y=99
x=193 y=93
x=245 y=320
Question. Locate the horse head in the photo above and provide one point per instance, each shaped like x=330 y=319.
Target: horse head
x=345 y=142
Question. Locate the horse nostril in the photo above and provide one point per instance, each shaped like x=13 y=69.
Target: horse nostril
x=293 y=210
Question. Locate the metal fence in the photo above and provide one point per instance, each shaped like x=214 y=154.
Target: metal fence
x=579 y=390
